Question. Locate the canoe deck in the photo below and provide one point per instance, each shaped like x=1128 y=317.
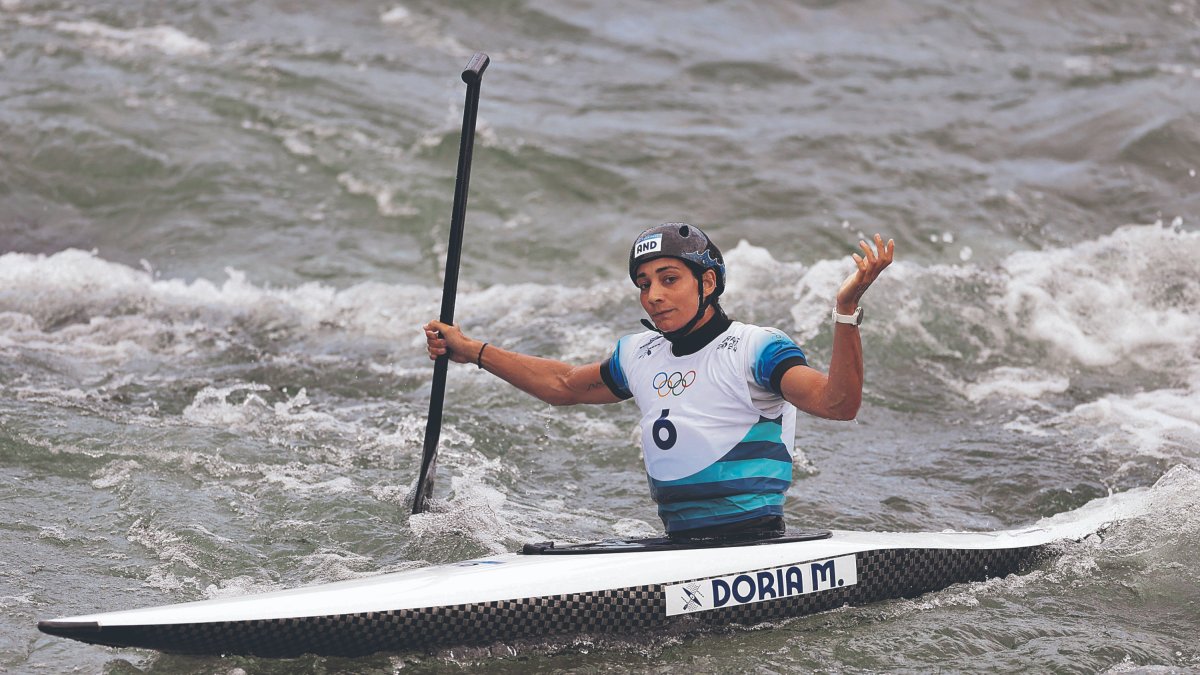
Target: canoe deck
x=520 y=596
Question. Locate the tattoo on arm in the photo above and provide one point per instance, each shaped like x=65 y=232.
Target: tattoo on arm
x=599 y=384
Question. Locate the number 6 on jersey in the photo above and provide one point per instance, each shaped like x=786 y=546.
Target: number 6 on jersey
x=664 y=432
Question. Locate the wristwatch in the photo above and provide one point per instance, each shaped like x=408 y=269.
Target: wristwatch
x=851 y=319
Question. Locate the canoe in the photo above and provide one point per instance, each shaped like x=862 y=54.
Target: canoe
x=608 y=587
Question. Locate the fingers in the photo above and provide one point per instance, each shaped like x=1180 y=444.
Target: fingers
x=870 y=264
x=869 y=254
x=876 y=257
x=442 y=339
x=872 y=261
x=886 y=251
x=434 y=342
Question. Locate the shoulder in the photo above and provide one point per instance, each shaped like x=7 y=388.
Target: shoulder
x=640 y=344
x=770 y=353
x=745 y=339
x=759 y=337
x=632 y=350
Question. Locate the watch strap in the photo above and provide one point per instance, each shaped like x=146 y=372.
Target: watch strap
x=854 y=319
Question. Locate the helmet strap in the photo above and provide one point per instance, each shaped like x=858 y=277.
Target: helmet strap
x=702 y=304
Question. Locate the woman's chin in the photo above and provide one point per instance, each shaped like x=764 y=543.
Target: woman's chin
x=667 y=325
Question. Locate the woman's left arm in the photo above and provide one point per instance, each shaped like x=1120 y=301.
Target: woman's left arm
x=838 y=395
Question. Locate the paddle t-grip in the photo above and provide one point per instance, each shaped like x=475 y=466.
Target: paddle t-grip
x=475 y=67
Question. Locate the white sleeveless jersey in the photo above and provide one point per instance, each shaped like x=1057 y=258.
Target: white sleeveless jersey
x=717 y=440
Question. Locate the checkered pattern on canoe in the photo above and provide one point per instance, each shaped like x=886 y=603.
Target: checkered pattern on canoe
x=882 y=574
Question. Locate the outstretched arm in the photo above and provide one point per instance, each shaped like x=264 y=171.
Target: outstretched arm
x=554 y=382
x=838 y=395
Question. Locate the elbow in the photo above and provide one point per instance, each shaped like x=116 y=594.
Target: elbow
x=552 y=397
x=845 y=411
x=558 y=395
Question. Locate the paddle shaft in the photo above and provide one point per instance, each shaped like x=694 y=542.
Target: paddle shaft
x=472 y=75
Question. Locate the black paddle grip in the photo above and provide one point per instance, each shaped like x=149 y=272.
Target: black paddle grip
x=475 y=67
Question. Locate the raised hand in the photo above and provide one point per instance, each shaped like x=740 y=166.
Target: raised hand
x=870 y=264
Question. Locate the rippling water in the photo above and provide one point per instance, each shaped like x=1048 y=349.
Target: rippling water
x=221 y=225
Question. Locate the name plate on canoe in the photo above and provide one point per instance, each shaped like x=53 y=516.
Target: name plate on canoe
x=771 y=584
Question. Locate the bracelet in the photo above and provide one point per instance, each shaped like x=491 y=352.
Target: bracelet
x=479 y=359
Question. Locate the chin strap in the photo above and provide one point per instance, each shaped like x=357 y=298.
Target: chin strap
x=701 y=305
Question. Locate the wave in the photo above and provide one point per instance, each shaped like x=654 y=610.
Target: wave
x=1091 y=350
x=166 y=40
x=1123 y=301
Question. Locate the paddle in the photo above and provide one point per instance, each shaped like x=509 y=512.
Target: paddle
x=433 y=428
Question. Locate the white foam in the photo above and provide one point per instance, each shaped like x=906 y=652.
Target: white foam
x=298 y=478
x=632 y=528
x=757 y=279
x=8 y=602
x=295 y=145
x=1012 y=382
x=71 y=283
x=331 y=564
x=1104 y=528
x=166 y=545
x=423 y=31
x=115 y=473
x=117 y=313
x=121 y=42
x=210 y=406
x=396 y=15
x=240 y=586
x=1131 y=295
x=475 y=510
x=384 y=196
x=1128 y=296
x=1129 y=299
x=1163 y=423
x=588 y=426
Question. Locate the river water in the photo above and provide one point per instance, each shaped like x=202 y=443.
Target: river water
x=222 y=224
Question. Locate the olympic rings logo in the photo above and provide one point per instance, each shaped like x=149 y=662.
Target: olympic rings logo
x=673 y=384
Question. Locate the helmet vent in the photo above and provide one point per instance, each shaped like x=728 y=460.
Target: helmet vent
x=685 y=232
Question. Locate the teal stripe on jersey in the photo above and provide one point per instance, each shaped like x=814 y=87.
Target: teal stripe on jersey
x=725 y=471
x=681 y=512
x=749 y=480
x=765 y=430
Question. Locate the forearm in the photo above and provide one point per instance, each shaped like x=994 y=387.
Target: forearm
x=545 y=379
x=843 y=389
x=554 y=382
x=842 y=392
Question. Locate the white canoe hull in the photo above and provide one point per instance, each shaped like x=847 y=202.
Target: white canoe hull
x=514 y=596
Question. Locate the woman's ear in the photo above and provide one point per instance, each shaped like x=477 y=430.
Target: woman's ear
x=709 y=280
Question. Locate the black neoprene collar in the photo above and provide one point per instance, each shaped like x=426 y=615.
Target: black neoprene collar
x=699 y=338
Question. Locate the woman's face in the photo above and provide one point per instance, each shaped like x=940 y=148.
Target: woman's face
x=669 y=293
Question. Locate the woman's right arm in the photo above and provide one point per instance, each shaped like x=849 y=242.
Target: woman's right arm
x=554 y=382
